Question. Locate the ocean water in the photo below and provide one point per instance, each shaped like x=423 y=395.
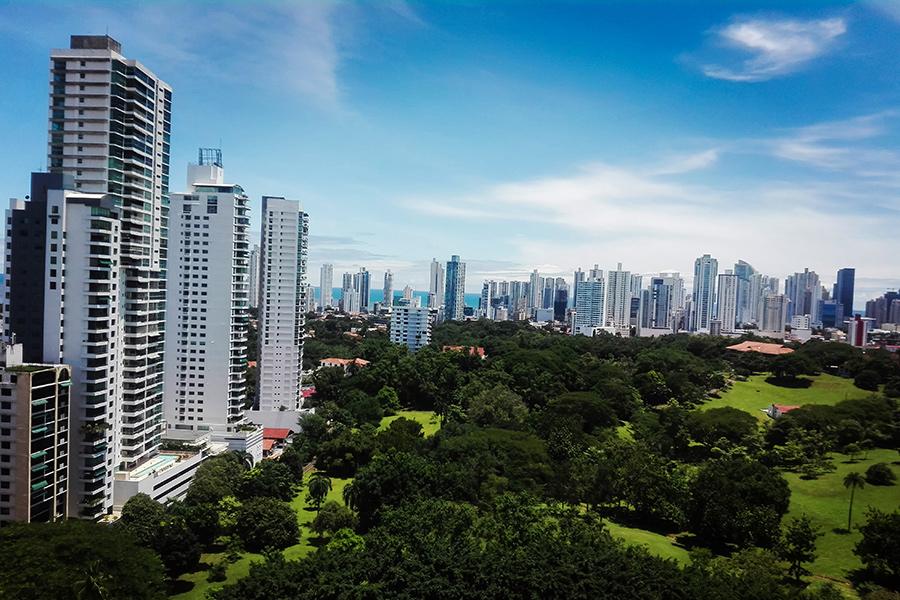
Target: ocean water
x=378 y=295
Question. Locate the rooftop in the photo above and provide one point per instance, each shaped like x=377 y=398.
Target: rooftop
x=761 y=347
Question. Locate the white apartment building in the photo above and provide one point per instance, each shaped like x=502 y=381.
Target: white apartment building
x=109 y=127
x=618 y=300
x=65 y=302
x=727 y=301
x=207 y=311
x=388 y=290
x=436 y=284
x=254 y=276
x=706 y=269
x=326 y=283
x=285 y=230
x=774 y=314
x=411 y=324
x=590 y=313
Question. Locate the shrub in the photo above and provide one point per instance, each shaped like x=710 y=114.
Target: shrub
x=217 y=572
x=880 y=474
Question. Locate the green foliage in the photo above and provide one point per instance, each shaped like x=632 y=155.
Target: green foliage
x=216 y=478
x=880 y=474
x=798 y=546
x=166 y=532
x=141 y=517
x=388 y=399
x=333 y=517
x=319 y=486
x=402 y=434
x=295 y=457
x=738 y=501
x=879 y=548
x=346 y=452
x=867 y=380
x=498 y=407
x=709 y=426
x=266 y=522
x=217 y=572
x=788 y=367
x=52 y=561
x=271 y=479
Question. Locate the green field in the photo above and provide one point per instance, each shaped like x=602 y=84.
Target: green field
x=426 y=418
x=755 y=395
x=241 y=568
x=656 y=544
x=825 y=501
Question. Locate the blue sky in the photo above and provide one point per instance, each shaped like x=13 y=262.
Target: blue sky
x=521 y=135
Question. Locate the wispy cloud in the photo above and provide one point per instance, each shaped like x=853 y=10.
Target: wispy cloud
x=776 y=47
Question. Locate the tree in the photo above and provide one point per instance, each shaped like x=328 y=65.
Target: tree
x=879 y=548
x=852 y=481
x=266 y=522
x=347 y=452
x=333 y=517
x=498 y=407
x=48 y=561
x=319 y=486
x=402 y=434
x=269 y=478
x=295 y=458
x=388 y=399
x=798 y=546
x=709 y=426
x=852 y=450
x=867 y=380
x=350 y=494
x=142 y=516
x=880 y=474
x=216 y=478
x=738 y=501
x=788 y=367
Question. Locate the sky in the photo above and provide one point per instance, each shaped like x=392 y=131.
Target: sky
x=520 y=135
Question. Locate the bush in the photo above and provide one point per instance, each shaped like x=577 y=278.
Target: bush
x=880 y=474
x=266 y=522
x=867 y=380
x=217 y=572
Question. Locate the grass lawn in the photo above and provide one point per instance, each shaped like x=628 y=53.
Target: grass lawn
x=755 y=395
x=241 y=568
x=826 y=501
x=426 y=418
x=656 y=544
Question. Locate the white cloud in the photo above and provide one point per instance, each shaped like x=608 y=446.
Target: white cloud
x=777 y=47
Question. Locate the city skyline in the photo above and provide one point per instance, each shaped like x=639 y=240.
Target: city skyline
x=757 y=171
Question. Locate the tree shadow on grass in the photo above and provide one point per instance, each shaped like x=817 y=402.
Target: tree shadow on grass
x=317 y=542
x=789 y=382
x=840 y=530
x=180 y=586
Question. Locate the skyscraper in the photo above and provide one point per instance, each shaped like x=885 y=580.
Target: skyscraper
x=326 y=285
x=774 y=313
x=285 y=229
x=388 y=299
x=659 y=302
x=349 y=304
x=207 y=312
x=436 y=284
x=804 y=291
x=488 y=293
x=560 y=301
x=361 y=286
x=618 y=300
x=535 y=291
x=455 y=289
x=706 y=269
x=110 y=122
x=590 y=313
x=576 y=281
x=254 y=276
x=843 y=292
x=744 y=272
x=84 y=330
x=727 y=301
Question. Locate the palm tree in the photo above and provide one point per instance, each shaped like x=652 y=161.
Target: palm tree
x=852 y=481
x=351 y=496
x=93 y=584
x=319 y=486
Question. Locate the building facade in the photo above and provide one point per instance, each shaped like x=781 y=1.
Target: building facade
x=253 y=280
x=284 y=248
x=411 y=324
x=455 y=289
x=436 y=284
x=706 y=270
x=388 y=289
x=34 y=439
x=208 y=292
x=326 y=284
x=727 y=301
x=590 y=313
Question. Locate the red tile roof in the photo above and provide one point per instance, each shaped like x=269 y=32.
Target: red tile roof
x=276 y=433
x=761 y=347
x=472 y=350
x=267 y=445
x=343 y=362
x=784 y=408
x=308 y=392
